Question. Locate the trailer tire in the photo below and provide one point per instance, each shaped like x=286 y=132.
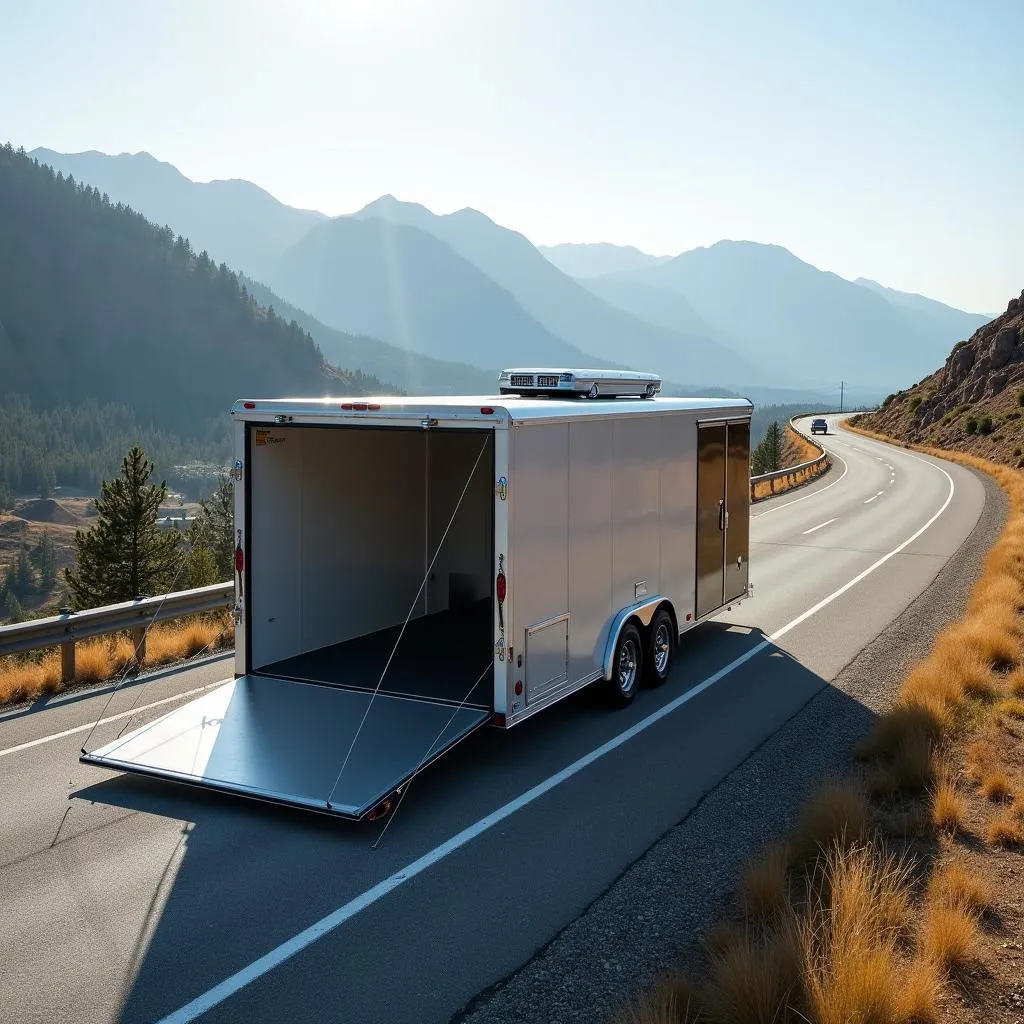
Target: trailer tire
x=628 y=666
x=661 y=648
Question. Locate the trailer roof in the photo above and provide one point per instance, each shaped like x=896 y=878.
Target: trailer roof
x=512 y=407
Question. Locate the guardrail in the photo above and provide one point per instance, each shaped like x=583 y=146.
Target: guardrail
x=66 y=629
x=794 y=476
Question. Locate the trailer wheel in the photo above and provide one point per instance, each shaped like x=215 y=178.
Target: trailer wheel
x=661 y=648
x=628 y=667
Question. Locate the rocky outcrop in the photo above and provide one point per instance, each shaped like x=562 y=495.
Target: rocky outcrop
x=975 y=401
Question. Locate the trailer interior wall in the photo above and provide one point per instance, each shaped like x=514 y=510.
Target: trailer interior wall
x=344 y=521
x=604 y=512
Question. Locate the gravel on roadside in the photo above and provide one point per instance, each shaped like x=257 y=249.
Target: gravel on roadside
x=667 y=899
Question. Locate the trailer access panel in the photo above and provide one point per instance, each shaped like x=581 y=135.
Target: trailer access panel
x=411 y=569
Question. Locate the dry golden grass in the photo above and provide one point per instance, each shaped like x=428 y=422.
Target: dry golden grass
x=755 y=980
x=838 y=814
x=1005 y=831
x=766 y=882
x=182 y=641
x=851 y=937
x=979 y=758
x=672 y=1000
x=108 y=657
x=1015 y=682
x=949 y=809
x=949 y=935
x=996 y=785
x=955 y=884
x=1011 y=707
x=917 y=1001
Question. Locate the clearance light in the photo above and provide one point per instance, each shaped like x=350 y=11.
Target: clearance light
x=501 y=587
x=486 y=410
x=519 y=687
x=248 y=405
x=239 y=559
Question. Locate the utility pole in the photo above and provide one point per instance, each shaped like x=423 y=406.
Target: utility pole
x=841 y=386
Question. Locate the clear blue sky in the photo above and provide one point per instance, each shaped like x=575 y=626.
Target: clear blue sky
x=871 y=138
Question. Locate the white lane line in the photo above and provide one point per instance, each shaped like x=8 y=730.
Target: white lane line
x=110 y=718
x=813 y=494
x=290 y=947
x=820 y=525
x=868 y=501
x=779 y=633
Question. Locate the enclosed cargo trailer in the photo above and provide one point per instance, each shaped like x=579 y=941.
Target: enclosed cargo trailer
x=411 y=569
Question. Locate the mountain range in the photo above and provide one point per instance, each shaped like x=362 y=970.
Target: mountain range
x=594 y=259
x=473 y=295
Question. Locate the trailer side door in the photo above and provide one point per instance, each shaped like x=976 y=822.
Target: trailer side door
x=723 y=513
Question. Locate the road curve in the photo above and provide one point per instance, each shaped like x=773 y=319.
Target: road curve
x=123 y=899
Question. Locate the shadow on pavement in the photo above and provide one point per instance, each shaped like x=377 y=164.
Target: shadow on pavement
x=248 y=876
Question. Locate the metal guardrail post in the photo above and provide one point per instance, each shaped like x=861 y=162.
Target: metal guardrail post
x=67 y=662
x=139 y=644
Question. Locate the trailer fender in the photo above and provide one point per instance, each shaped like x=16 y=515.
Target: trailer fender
x=643 y=611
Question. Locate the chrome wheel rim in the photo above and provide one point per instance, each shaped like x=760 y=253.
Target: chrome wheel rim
x=662 y=648
x=627 y=666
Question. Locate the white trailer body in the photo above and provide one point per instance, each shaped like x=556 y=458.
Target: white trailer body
x=411 y=569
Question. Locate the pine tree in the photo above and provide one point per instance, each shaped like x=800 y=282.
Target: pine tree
x=214 y=529
x=767 y=456
x=125 y=554
x=21 y=580
x=201 y=567
x=15 y=613
x=46 y=561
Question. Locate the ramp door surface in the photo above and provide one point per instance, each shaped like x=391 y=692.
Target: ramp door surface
x=285 y=741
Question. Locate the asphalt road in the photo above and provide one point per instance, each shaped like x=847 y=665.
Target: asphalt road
x=123 y=899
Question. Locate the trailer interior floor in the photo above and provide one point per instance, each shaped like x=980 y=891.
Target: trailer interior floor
x=439 y=658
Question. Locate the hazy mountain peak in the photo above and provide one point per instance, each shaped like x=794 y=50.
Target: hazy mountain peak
x=596 y=259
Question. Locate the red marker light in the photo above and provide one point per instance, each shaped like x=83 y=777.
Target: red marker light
x=519 y=687
x=346 y=405
x=248 y=405
x=239 y=559
x=689 y=615
x=500 y=587
x=373 y=407
x=359 y=406
x=486 y=410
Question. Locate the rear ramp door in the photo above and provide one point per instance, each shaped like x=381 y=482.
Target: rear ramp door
x=286 y=741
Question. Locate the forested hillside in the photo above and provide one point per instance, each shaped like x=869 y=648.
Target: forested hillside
x=114 y=331
x=97 y=302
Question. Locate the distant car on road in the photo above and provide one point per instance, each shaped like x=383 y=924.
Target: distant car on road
x=819 y=425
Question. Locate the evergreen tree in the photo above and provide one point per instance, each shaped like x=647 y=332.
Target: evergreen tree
x=201 y=567
x=767 y=456
x=15 y=613
x=214 y=529
x=21 y=580
x=125 y=554
x=46 y=561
